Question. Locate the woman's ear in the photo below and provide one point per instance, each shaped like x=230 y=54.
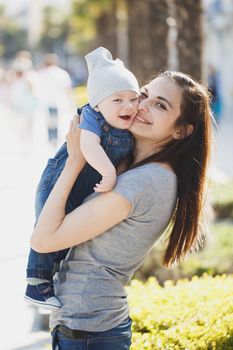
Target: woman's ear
x=183 y=131
x=189 y=130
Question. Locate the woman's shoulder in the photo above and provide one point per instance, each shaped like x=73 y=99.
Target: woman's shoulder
x=148 y=177
x=153 y=170
x=148 y=187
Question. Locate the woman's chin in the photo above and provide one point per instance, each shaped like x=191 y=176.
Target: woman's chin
x=136 y=125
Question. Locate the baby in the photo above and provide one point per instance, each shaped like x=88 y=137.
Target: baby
x=113 y=100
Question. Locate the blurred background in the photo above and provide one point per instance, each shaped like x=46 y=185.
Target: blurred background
x=42 y=81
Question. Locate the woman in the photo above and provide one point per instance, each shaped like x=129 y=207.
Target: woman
x=111 y=233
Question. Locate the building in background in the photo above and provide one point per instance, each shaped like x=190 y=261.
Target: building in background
x=218 y=22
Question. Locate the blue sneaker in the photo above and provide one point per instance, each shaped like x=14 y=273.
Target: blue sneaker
x=42 y=295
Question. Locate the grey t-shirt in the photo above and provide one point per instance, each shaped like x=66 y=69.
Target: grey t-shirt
x=90 y=284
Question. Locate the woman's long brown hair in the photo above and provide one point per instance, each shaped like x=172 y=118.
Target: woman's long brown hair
x=188 y=158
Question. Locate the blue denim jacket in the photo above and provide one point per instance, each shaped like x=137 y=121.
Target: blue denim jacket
x=117 y=144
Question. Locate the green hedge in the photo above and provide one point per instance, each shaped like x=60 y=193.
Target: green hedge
x=188 y=315
x=222 y=200
x=215 y=258
x=222 y=193
x=80 y=95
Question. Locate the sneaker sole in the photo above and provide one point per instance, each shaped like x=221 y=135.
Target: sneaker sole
x=40 y=303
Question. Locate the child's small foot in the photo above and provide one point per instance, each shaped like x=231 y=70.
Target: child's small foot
x=42 y=295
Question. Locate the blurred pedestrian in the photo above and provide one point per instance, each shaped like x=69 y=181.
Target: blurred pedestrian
x=215 y=90
x=23 y=99
x=57 y=97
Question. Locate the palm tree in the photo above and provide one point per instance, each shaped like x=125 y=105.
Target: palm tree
x=93 y=23
x=148 y=30
x=190 y=37
x=106 y=28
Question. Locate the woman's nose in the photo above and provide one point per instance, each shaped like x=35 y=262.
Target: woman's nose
x=143 y=106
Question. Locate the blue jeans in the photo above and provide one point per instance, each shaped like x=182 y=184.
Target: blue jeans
x=117 y=145
x=118 y=338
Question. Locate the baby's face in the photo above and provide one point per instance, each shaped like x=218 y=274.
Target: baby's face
x=120 y=108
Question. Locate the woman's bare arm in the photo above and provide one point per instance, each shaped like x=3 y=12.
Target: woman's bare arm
x=55 y=230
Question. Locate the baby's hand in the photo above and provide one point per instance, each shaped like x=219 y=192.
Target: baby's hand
x=106 y=184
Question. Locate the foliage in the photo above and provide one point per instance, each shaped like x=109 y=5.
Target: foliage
x=12 y=37
x=189 y=315
x=215 y=258
x=55 y=29
x=222 y=199
x=80 y=95
x=222 y=193
x=77 y=30
x=82 y=22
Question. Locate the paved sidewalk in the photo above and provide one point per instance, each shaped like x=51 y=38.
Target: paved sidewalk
x=36 y=341
x=20 y=329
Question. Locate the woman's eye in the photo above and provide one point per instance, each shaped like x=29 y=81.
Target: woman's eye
x=117 y=100
x=134 y=99
x=143 y=95
x=161 y=106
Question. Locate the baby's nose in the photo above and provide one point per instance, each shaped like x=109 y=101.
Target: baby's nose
x=128 y=105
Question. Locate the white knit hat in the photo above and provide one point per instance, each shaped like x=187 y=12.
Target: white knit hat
x=107 y=76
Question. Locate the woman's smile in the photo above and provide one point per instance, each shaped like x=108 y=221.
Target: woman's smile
x=139 y=119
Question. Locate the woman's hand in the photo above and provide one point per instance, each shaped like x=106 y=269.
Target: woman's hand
x=73 y=143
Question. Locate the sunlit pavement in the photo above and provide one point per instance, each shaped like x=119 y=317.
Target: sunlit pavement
x=20 y=328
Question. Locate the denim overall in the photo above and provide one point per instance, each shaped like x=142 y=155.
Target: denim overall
x=117 y=144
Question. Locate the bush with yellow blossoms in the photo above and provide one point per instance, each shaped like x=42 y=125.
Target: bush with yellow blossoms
x=188 y=315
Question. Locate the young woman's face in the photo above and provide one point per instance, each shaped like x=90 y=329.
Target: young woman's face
x=158 y=111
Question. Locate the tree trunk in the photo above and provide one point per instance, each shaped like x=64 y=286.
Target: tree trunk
x=148 y=32
x=190 y=37
x=106 y=27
